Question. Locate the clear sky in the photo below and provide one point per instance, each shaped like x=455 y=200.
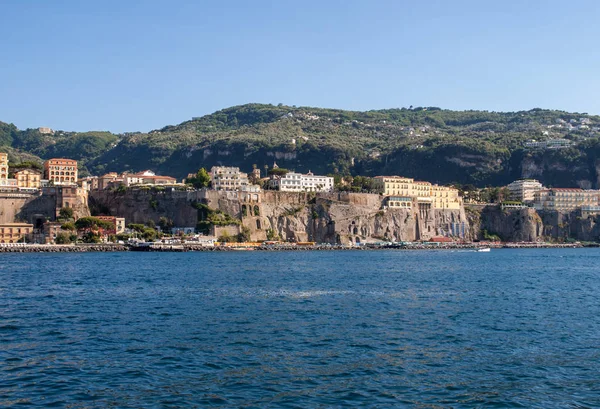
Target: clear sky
x=137 y=65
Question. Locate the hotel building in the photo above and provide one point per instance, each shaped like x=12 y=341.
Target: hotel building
x=524 y=190
x=227 y=178
x=297 y=182
x=565 y=199
x=61 y=171
x=401 y=190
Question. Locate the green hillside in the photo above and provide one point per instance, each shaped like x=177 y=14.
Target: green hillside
x=430 y=143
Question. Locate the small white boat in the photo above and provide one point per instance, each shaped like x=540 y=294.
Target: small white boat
x=484 y=250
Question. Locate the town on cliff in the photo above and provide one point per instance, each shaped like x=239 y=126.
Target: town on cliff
x=223 y=206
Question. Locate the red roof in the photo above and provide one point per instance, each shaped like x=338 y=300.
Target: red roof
x=441 y=240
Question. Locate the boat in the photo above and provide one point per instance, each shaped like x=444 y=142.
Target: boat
x=484 y=250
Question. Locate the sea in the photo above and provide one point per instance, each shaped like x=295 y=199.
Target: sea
x=308 y=329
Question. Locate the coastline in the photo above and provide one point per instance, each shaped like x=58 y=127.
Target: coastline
x=86 y=248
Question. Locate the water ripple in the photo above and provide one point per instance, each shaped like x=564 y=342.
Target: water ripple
x=354 y=329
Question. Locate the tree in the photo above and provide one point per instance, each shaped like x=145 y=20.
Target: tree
x=244 y=235
x=272 y=234
x=136 y=227
x=92 y=223
x=278 y=172
x=65 y=213
x=200 y=180
x=165 y=223
x=91 y=237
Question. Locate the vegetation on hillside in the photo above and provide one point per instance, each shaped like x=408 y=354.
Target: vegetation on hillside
x=442 y=146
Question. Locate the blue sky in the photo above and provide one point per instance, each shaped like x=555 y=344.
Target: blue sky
x=140 y=65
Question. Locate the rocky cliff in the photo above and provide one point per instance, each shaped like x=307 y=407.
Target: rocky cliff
x=325 y=217
x=507 y=224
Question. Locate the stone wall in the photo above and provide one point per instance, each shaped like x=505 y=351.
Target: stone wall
x=33 y=208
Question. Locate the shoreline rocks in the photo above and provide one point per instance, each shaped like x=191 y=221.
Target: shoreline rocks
x=85 y=248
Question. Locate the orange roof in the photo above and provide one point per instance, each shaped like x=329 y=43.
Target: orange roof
x=158 y=177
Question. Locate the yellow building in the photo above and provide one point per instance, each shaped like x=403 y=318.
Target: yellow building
x=14 y=232
x=401 y=189
x=402 y=186
x=3 y=165
x=28 y=178
x=445 y=197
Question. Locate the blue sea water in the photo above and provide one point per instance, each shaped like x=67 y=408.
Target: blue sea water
x=415 y=329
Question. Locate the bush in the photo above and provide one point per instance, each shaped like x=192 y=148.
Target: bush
x=68 y=226
x=225 y=238
x=62 y=238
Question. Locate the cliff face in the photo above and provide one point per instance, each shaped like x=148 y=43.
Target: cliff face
x=509 y=224
x=326 y=217
x=139 y=206
x=562 y=226
x=531 y=225
x=343 y=217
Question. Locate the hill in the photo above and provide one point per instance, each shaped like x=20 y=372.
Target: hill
x=430 y=143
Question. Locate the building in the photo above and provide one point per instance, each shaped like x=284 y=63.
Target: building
x=297 y=182
x=147 y=178
x=15 y=232
x=445 y=197
x=88 y=183
x=61 y=171
x=401 y=190
x=3 y=166
x=523 y=190
x=45 y=131
x=400 y=202
x=109 y=179
x=28 y=178
x=182 y=231
x=9 y=185
x=255 y=175
x=402 y=186
x=557 y=143
x=228 y=178
x=118 y=222
x=566 y=200
x=51 y=230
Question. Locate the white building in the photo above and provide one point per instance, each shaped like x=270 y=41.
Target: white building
x=557 y=143
x=146 y=177
x=524 y=190
x=297 y=182
x=228 y=178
